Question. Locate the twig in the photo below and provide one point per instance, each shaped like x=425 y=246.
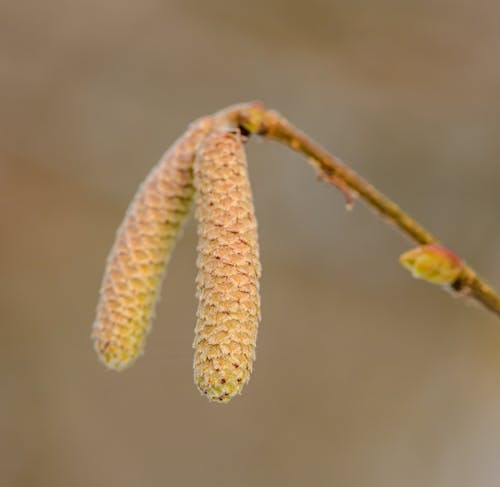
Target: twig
x=253 y=118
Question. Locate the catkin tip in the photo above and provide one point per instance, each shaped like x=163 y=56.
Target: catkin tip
x=117 y=353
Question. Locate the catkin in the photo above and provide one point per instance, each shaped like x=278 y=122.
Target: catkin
x=141 y=250
x=228 y=268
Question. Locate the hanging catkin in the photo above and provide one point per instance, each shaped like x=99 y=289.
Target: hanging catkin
x=228 y=268
x=141 y=250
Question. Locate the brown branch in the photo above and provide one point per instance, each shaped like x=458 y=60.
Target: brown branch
x=253 y=118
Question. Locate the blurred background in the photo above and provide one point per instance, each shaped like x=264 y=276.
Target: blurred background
x=364 y=377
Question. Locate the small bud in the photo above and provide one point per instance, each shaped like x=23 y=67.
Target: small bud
x=228 y=268
x=143 y=245
x=251 y=117
x=433 y=263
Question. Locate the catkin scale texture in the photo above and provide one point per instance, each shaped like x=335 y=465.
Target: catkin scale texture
x=143 y=245
x=228 y=268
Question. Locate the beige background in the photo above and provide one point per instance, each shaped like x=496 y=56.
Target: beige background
x=364 y=376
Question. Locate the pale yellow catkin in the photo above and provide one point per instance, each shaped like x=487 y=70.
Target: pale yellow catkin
x=228 y=268
x=143 y=245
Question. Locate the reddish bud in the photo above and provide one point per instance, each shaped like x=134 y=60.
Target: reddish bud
x=433 y=263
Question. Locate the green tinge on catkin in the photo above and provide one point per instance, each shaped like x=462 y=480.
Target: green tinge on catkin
x=143 y=245
x=228 y=268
